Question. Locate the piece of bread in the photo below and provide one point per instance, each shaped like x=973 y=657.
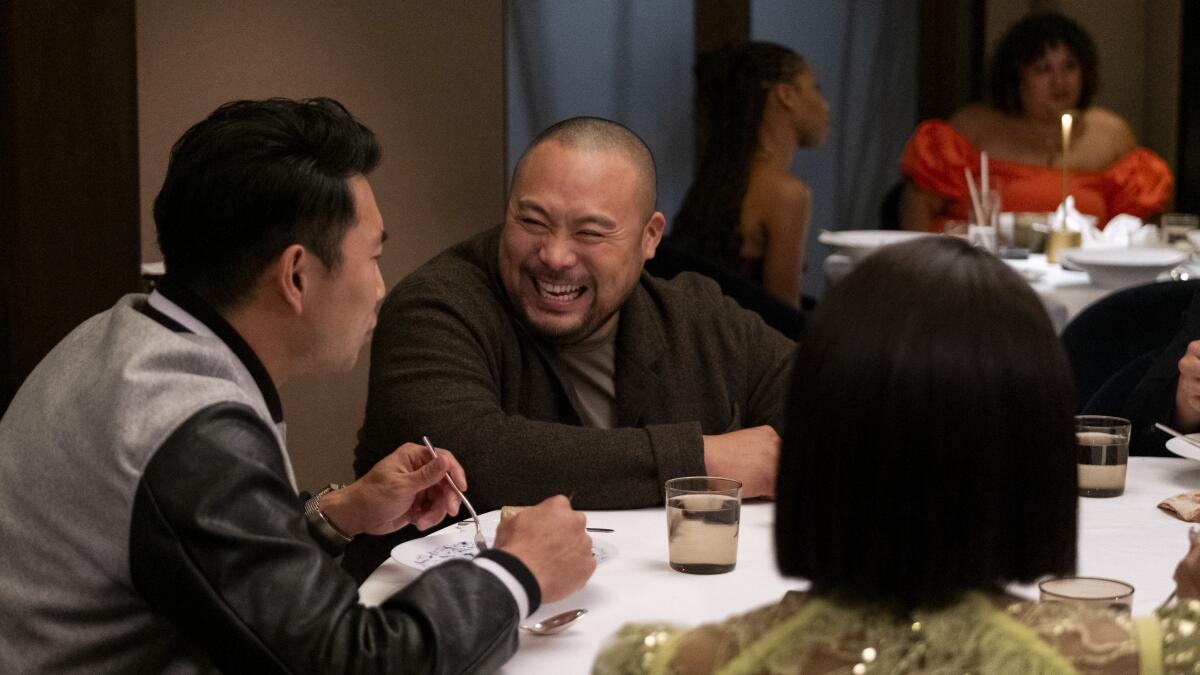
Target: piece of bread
x=507 y=512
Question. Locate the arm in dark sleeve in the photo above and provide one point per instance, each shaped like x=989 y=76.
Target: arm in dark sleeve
x=436 y=370
x=1153 y=399
x=768 y=355
x=219 y=546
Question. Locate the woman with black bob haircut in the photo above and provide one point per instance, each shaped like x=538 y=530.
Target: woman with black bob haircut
x=927 y=464
x=1045 y=65
x=930 y=427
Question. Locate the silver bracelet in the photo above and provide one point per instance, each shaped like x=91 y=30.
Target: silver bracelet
x=322 y=525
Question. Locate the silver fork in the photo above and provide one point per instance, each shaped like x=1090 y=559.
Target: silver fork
x=480 y=542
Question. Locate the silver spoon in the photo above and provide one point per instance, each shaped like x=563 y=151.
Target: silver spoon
x=480 y=542
x=555 y=624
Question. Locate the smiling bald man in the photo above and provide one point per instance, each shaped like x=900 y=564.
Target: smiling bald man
x=543 y=355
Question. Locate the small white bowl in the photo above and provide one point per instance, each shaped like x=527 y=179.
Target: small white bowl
x=1113 y=268
x=1193 y=237
x=858 y=244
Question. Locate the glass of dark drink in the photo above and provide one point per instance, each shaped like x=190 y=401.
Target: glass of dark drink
x=1102 y=445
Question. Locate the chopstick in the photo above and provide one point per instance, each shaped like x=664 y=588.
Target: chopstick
x=975 y=199
x=1177 y=434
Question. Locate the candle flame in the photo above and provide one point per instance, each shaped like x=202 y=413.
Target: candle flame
x=1066 y=186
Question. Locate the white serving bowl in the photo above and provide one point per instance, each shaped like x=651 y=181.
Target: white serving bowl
x=858 y=244
x=1193 y=237
x=1120 y=267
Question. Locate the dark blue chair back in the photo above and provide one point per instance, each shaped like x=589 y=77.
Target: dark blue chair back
x=671 y=259
x=1110 y=334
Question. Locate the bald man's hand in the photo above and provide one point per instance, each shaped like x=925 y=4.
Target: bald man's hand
x=748 y=455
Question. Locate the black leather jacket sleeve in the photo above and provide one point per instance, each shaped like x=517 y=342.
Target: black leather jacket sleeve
x=1153 y=399
x=219 y=546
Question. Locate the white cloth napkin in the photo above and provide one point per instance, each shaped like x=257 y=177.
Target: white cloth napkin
x=1123 y=231
x=1066 y=216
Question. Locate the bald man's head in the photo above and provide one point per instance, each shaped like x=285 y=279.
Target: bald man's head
x=600 y=135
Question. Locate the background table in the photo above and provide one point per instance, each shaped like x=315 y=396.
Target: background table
x=1125 y=537
x=1063 y=292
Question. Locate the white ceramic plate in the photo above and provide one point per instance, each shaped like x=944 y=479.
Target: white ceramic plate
x=1183 y=448
x=457 y=542
x=1119 y=267
x=858 y=244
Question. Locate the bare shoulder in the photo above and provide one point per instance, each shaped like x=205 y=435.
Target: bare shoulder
x=974 y=121
x=1103 y=118
x=782 y=189
x=1110 y=130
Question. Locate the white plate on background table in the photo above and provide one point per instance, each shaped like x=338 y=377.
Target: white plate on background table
x=1113 y=268
x=457 y=542
x=1183 y=448
x=858 y=244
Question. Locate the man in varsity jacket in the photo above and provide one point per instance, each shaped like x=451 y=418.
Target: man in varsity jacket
x=149 y=514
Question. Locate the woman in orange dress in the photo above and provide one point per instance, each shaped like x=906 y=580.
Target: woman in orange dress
x=1044 y=65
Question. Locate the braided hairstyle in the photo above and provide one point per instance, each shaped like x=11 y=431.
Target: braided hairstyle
x=732 y=84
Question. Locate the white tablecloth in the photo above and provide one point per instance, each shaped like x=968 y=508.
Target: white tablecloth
x=1063 y=292
x=1125 y=537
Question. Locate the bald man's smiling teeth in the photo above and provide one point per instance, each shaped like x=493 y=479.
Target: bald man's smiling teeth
x=558 y=292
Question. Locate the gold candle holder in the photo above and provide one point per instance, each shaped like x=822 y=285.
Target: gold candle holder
x=1060 y=240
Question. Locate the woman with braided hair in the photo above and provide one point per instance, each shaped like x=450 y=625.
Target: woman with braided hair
x=745 y=210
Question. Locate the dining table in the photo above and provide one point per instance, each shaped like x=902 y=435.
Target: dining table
x=1064 y=292
x=1126 y=537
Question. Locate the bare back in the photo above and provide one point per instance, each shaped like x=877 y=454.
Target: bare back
x=773 y=226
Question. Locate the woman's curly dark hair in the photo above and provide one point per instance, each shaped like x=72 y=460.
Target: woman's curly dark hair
x=1024 y=43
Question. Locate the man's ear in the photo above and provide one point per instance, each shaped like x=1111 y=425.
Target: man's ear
x=292 y=276
x=652 y=234
x=786 y=94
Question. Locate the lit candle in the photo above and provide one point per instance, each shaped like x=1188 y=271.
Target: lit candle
x=1066 y=129
x=984 y=185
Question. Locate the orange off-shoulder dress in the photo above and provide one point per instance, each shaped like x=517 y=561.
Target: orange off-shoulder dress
x=1138 y=183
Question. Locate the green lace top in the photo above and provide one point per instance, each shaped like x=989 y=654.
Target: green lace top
x=979 y=634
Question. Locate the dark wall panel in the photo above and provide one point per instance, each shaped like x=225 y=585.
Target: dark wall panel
x=950 y=56
x=69 y=237
x=1187 y=177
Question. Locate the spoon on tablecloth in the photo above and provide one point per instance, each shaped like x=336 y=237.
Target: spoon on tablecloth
x=555 y=624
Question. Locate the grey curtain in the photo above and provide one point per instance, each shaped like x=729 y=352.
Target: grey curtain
x=864 y=53
x=631 y=61
x=624 y=60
